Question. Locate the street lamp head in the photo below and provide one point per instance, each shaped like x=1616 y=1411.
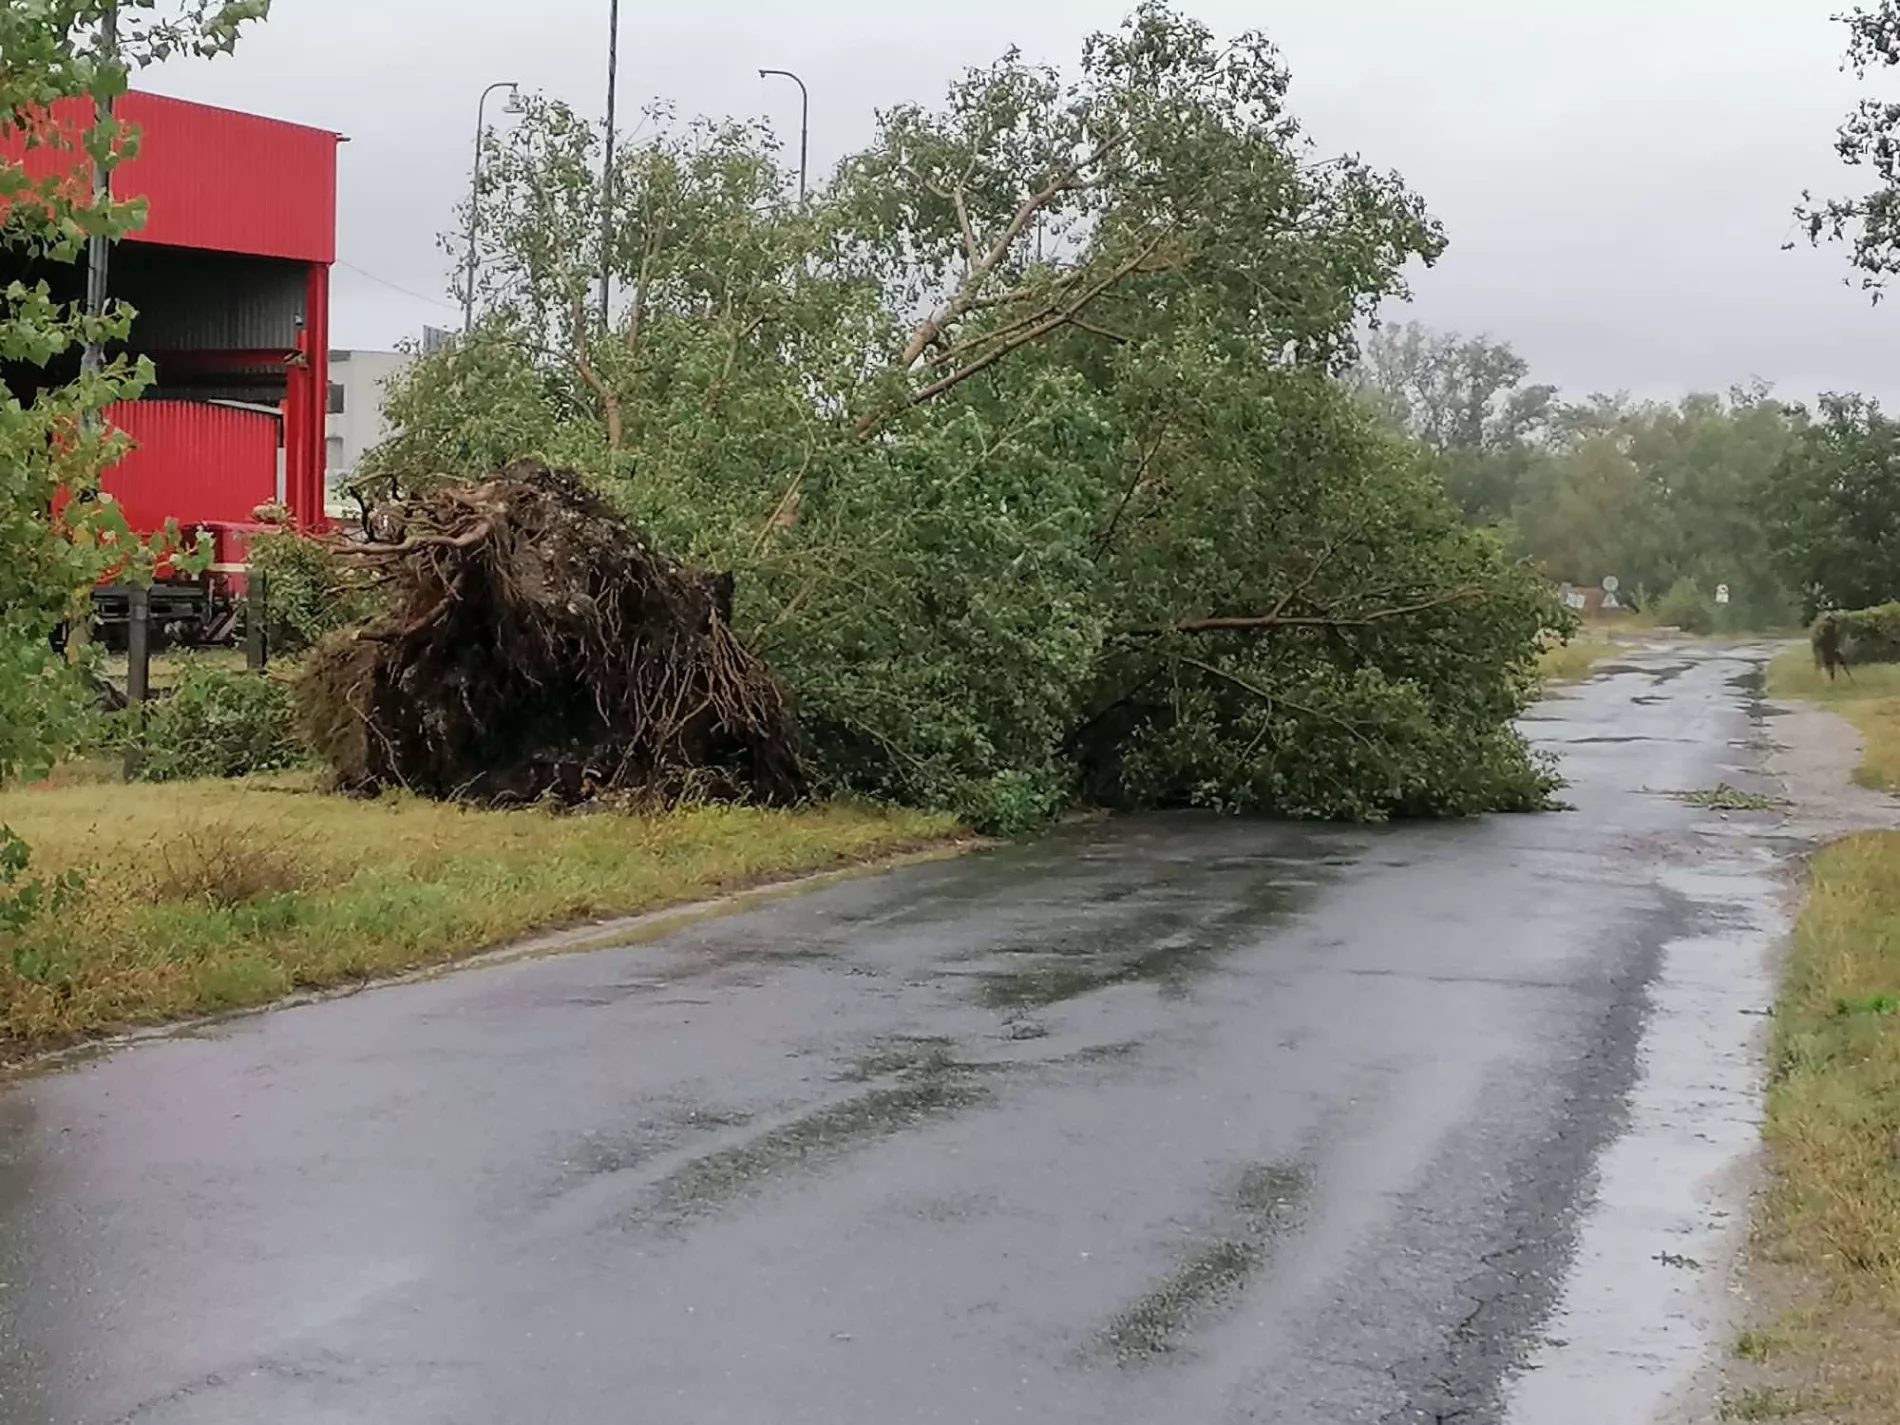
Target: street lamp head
x=514 y=104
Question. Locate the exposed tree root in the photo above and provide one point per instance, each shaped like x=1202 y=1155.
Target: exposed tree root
x=536 y=646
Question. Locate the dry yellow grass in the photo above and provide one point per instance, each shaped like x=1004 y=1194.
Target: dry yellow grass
x=209 y=896
x=1868 y=697
x=1574 y=661
x=1833 y=1211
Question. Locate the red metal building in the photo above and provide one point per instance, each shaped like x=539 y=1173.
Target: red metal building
x=230 y=276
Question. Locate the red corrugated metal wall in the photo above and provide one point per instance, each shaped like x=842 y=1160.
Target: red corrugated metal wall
x=218 y=181
x=196 y=463
x=214 y=178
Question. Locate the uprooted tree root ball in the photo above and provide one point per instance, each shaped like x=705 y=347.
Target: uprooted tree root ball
x=536 y=646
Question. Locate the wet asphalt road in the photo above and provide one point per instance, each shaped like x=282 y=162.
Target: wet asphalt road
x=1160 y=1120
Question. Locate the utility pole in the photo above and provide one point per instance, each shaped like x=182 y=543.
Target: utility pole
x=607 y=170
x=98 y=246
x=92 y=356
x=475 y=195
x=804 y=125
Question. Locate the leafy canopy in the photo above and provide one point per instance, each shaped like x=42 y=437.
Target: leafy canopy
x=1868 y=140
x=1833 y=507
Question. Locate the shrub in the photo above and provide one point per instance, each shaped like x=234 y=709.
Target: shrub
x=1687 y=606
x=25 y=903
x=311 y=591
x=1866 y=635
x=217 y=722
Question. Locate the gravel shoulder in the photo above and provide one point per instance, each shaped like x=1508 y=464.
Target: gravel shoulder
x=1813 y=755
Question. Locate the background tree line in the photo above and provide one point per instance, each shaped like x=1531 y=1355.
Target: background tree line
x=1795 y=509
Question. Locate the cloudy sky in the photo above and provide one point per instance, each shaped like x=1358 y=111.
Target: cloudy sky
x=1616 y=176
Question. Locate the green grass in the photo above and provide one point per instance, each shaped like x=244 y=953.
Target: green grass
x=1869 y=698
x=212 y=896
x=1763 y=1404
x=1833 y=1210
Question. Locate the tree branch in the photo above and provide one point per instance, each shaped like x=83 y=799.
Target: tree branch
x=1017 y=334
x=785 y=513
x=1270 y=699
x=1140 y=478
x=931 y=330
x=1105 y=333
x=1261 y=623
x=960 y=201
x=465 y=540
x=608 y=400
x=1318 y=567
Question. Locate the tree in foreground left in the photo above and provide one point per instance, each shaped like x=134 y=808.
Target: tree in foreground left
x=55 y=52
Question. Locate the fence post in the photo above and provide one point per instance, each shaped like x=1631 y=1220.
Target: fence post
x=138 y=673
x=256 y=618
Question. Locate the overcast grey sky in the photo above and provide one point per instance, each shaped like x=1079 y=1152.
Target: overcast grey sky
x=1616 y=176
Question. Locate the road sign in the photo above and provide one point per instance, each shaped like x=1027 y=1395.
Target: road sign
x=1721 y=593
x=1611 y=583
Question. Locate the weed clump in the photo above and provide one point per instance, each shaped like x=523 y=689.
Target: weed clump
x=226 y=864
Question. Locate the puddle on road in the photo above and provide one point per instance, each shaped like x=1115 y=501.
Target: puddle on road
x=819 y=1138
x=1168 y=945
x=1212 y=1274
x=601 y=1154
x=911 y=1082
x=1639 y=1315
x=906 y=1054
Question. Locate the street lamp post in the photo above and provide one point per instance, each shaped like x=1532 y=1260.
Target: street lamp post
x=475 y=195
x=607 y=169
x=804 y=125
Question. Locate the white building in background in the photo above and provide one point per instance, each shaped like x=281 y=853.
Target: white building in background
x=355 y=424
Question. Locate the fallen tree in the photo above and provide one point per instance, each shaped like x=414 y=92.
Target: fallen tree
x=537 y=646
x=1024 y=436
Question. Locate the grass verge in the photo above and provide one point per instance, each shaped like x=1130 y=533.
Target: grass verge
x=210 y=896
x=1832 y=1214
x=1869 y=698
